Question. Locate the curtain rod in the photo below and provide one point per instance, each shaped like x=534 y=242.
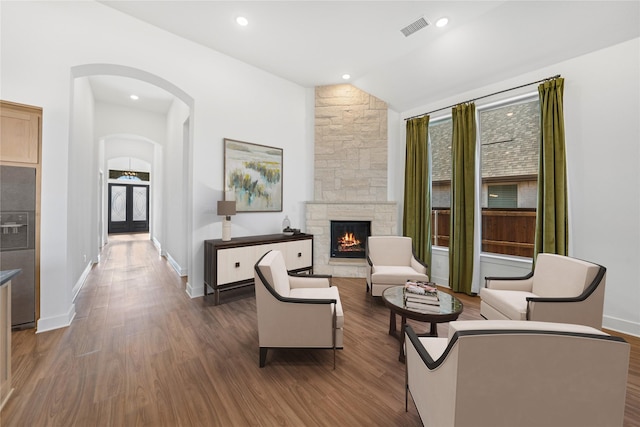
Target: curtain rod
x=485 y=96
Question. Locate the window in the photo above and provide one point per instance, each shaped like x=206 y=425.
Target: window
x=509 y=148
x=440 y=133
x=508 y=135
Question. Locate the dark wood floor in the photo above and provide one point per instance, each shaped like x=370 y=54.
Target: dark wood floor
x=141 y=352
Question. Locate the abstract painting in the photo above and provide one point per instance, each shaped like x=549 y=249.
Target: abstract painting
x=253 y=173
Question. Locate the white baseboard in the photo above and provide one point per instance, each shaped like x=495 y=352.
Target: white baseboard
x=181 y=271
x=51 y=323
x=80 y=283
x=194 y=292
x=158 y=246
x=440 y=280
x=621 y=325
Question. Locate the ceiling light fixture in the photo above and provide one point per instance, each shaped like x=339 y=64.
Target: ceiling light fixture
x=346 y=76
x=134 y=97
x=242 y=21
x=442 y=22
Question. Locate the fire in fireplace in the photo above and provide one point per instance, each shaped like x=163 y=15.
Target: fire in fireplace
x=349 y=238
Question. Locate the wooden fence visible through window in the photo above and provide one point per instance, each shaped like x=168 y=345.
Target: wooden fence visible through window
x=504 y=231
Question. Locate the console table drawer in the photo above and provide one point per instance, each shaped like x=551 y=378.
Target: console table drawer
x=235 y=264
x=299 y=254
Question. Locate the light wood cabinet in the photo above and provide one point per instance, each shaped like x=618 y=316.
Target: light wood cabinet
x=19 y=133
x=5 y=335
x=229 y=265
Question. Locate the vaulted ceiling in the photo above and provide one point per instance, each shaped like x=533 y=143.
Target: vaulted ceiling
x=314 y=43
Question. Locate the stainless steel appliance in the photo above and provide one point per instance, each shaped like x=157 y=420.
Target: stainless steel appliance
x=17 y=239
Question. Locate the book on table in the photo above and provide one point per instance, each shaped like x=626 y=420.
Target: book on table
x=420 y=299
x=421 y=291
x=426 y=308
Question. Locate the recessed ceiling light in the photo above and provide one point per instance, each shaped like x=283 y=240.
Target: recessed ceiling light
x=346 y=76
x=134 y=97
x=442 y=22
x=241 y=20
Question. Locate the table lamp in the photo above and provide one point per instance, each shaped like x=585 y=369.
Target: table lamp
x=226 y=208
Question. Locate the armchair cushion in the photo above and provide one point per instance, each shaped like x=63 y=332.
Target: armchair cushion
x=308 y=281
x=512 y=304
x=395 y=274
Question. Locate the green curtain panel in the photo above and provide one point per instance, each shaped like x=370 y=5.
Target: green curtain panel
x=461 y=242
x=552 y=231
x=416 y=222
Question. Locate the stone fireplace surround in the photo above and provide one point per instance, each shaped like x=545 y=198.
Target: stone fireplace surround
x=383 y=217
x=350 y=173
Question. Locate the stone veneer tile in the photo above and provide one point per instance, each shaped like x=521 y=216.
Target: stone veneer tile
x=350 y=172
x=351 y=137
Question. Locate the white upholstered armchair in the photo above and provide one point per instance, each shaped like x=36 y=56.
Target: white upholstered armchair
x=391 y=262
x=295 y=311
x=560 y=289
x=510 y=373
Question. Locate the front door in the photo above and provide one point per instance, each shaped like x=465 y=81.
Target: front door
x=128 y=208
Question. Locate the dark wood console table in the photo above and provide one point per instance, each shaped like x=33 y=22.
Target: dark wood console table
x=229 y=265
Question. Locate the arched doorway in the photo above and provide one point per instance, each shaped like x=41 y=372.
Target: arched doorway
x=110 y=121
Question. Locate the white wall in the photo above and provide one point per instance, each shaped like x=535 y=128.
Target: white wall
x=82 y=206
x=42 y=41
x=117 y=119
x=175 y=197
x=601 y=107
x=129 y=163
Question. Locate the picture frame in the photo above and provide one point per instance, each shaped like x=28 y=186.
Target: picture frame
x=253 y=175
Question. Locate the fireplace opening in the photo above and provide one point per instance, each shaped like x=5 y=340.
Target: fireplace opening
x=349 y=238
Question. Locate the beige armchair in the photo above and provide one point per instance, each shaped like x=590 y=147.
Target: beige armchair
x=295 y=311
x=391 y=262
x=560 y=289
x=510 y=373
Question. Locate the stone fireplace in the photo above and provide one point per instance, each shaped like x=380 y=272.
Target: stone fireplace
x=350 y=174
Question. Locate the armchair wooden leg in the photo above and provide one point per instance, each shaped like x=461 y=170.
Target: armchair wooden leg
x=263 y=356
x=406 y=388
x=333 y=335
x=334 y=357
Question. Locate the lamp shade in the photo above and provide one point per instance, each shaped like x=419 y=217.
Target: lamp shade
x=226 y=207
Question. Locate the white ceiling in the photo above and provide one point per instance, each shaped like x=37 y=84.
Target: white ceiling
x=117 y=90
x=313 y=43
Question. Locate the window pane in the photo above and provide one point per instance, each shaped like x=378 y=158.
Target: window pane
x=509 y=143
x=503 y=196
x=440 y=133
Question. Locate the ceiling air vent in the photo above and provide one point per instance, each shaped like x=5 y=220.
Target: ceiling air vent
x=414 y=26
